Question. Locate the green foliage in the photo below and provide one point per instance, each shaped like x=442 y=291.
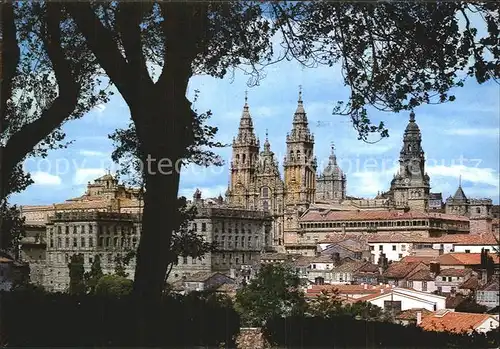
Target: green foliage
x=12 y=228
x=76 y=275
x=49 y=76
x=326 y=304
x=329 y=304
x=114 y=286
x=120 y=267
x=93 y=276
x=273 y=292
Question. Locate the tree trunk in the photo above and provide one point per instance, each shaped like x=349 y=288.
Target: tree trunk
x=162 y=129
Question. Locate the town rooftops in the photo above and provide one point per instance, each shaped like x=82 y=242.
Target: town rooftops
x=398 y=270
x=452 y=321
x=329 y=215
x=454 y=272
x=464 y=259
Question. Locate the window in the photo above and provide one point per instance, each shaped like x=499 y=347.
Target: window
x=400 y=256
x=372 y=248
x=195 y=228
x=403 y=247
x=115 y=242
x=193 y=260
x=394 y=247
x=467 y=251
x=82 y=243
x=67 y=229
x=184 y=260
x=108 y=242
x=392 y=306
x=91 y=241
x=380 y=247
x=265 y=205
x=478 y=210
x=91 y=260
x=67 y=242
x=51 y=243
x=424 y=285
x=203 y=226
x=410 y=284
x=265 y=192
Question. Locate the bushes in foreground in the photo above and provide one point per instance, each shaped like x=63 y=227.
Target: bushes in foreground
x=50 y=320
x=346 y=332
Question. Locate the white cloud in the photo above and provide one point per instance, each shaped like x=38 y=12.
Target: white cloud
x=369 y=183
x=45 y=178
x=84 y=175
x=475 y=175
x=491 y=132
x=92 y=153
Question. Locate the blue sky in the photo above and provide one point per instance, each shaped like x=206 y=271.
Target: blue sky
x=459 y=138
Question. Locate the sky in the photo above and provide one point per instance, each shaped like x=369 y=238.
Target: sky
x=460 y=139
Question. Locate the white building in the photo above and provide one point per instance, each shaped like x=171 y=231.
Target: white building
x=401 y=299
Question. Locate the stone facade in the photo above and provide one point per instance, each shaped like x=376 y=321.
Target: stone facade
x=107 y=234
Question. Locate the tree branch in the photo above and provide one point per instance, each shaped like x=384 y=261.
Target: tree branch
x=10 y=56
x=23 y=141
x=101 y=42
x=128 y=19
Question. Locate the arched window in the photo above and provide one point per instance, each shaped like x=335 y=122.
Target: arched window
x=478 y=210
x=244 y=158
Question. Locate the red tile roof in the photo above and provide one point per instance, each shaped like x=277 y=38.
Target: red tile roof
x=453 y=322
x=400 y=270
x=411 y=314
x=464 y=258
x=316 y=216
x=315 y=290
x=454 y=272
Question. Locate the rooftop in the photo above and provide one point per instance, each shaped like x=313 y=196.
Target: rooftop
x=329 y=215
x=453 y=321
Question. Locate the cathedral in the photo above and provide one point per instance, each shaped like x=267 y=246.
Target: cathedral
x=268 y=207
x=256 y=182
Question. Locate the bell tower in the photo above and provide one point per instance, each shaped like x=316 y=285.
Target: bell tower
x=243 y=162
x=299 y=163
x=410 y=186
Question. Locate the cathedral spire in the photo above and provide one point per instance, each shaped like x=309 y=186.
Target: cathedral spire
x=267 y=145
x=246 y=133
x=300 y=114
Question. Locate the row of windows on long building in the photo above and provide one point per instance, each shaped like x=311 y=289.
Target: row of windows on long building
x=90 y=229
x=83 y=242
x=398 y=223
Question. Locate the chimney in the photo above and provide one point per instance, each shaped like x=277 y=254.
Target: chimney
x=419 y=317
x=365 y=286
x=435 y=268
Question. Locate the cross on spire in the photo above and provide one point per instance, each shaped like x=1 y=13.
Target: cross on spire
x=267 y=134
x=460 y=180
x=300 y=93
x=246 y=96
x=332 y=145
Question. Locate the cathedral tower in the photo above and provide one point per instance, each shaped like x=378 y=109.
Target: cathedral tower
x=410 y=186
x=243 y=163
x=299 y=162
x=331 y=184
x=270 y=190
